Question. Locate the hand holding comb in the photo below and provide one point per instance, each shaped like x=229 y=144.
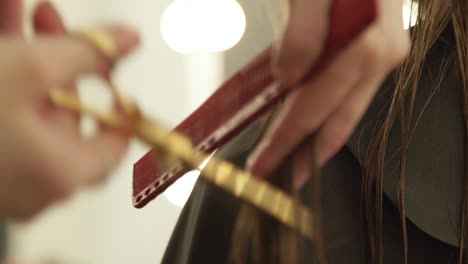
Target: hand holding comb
x=244 y=97
x=254 y=91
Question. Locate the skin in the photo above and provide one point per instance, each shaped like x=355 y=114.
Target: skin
x=332 y=104
x=44 y=159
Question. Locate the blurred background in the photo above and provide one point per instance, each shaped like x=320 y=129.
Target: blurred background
x=188 y=48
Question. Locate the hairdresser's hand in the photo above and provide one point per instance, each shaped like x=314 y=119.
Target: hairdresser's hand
x=333 y=103
x=43 y=158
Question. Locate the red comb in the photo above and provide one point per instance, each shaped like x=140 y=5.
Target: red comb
x=243 y=98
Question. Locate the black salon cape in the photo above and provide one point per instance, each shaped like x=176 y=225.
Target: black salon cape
x=434 y=178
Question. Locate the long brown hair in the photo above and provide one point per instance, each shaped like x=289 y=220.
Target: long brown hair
x=433 y=17
x=269 y=242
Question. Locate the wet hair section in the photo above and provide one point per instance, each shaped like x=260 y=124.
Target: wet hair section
x=434 y=17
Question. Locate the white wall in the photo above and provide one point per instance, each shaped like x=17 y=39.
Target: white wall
x=100 y=225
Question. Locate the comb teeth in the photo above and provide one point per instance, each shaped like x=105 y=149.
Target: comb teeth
x=243 y=88
x=250 y=88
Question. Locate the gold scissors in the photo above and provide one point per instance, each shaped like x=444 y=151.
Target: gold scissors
x=173 y=145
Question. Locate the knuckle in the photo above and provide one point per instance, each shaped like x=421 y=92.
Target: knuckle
x=400 y=48
x=300 y=43
x=372 y=52
x=307 y=125
x=378 y=50
x=302 y=126
x=301 y=119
